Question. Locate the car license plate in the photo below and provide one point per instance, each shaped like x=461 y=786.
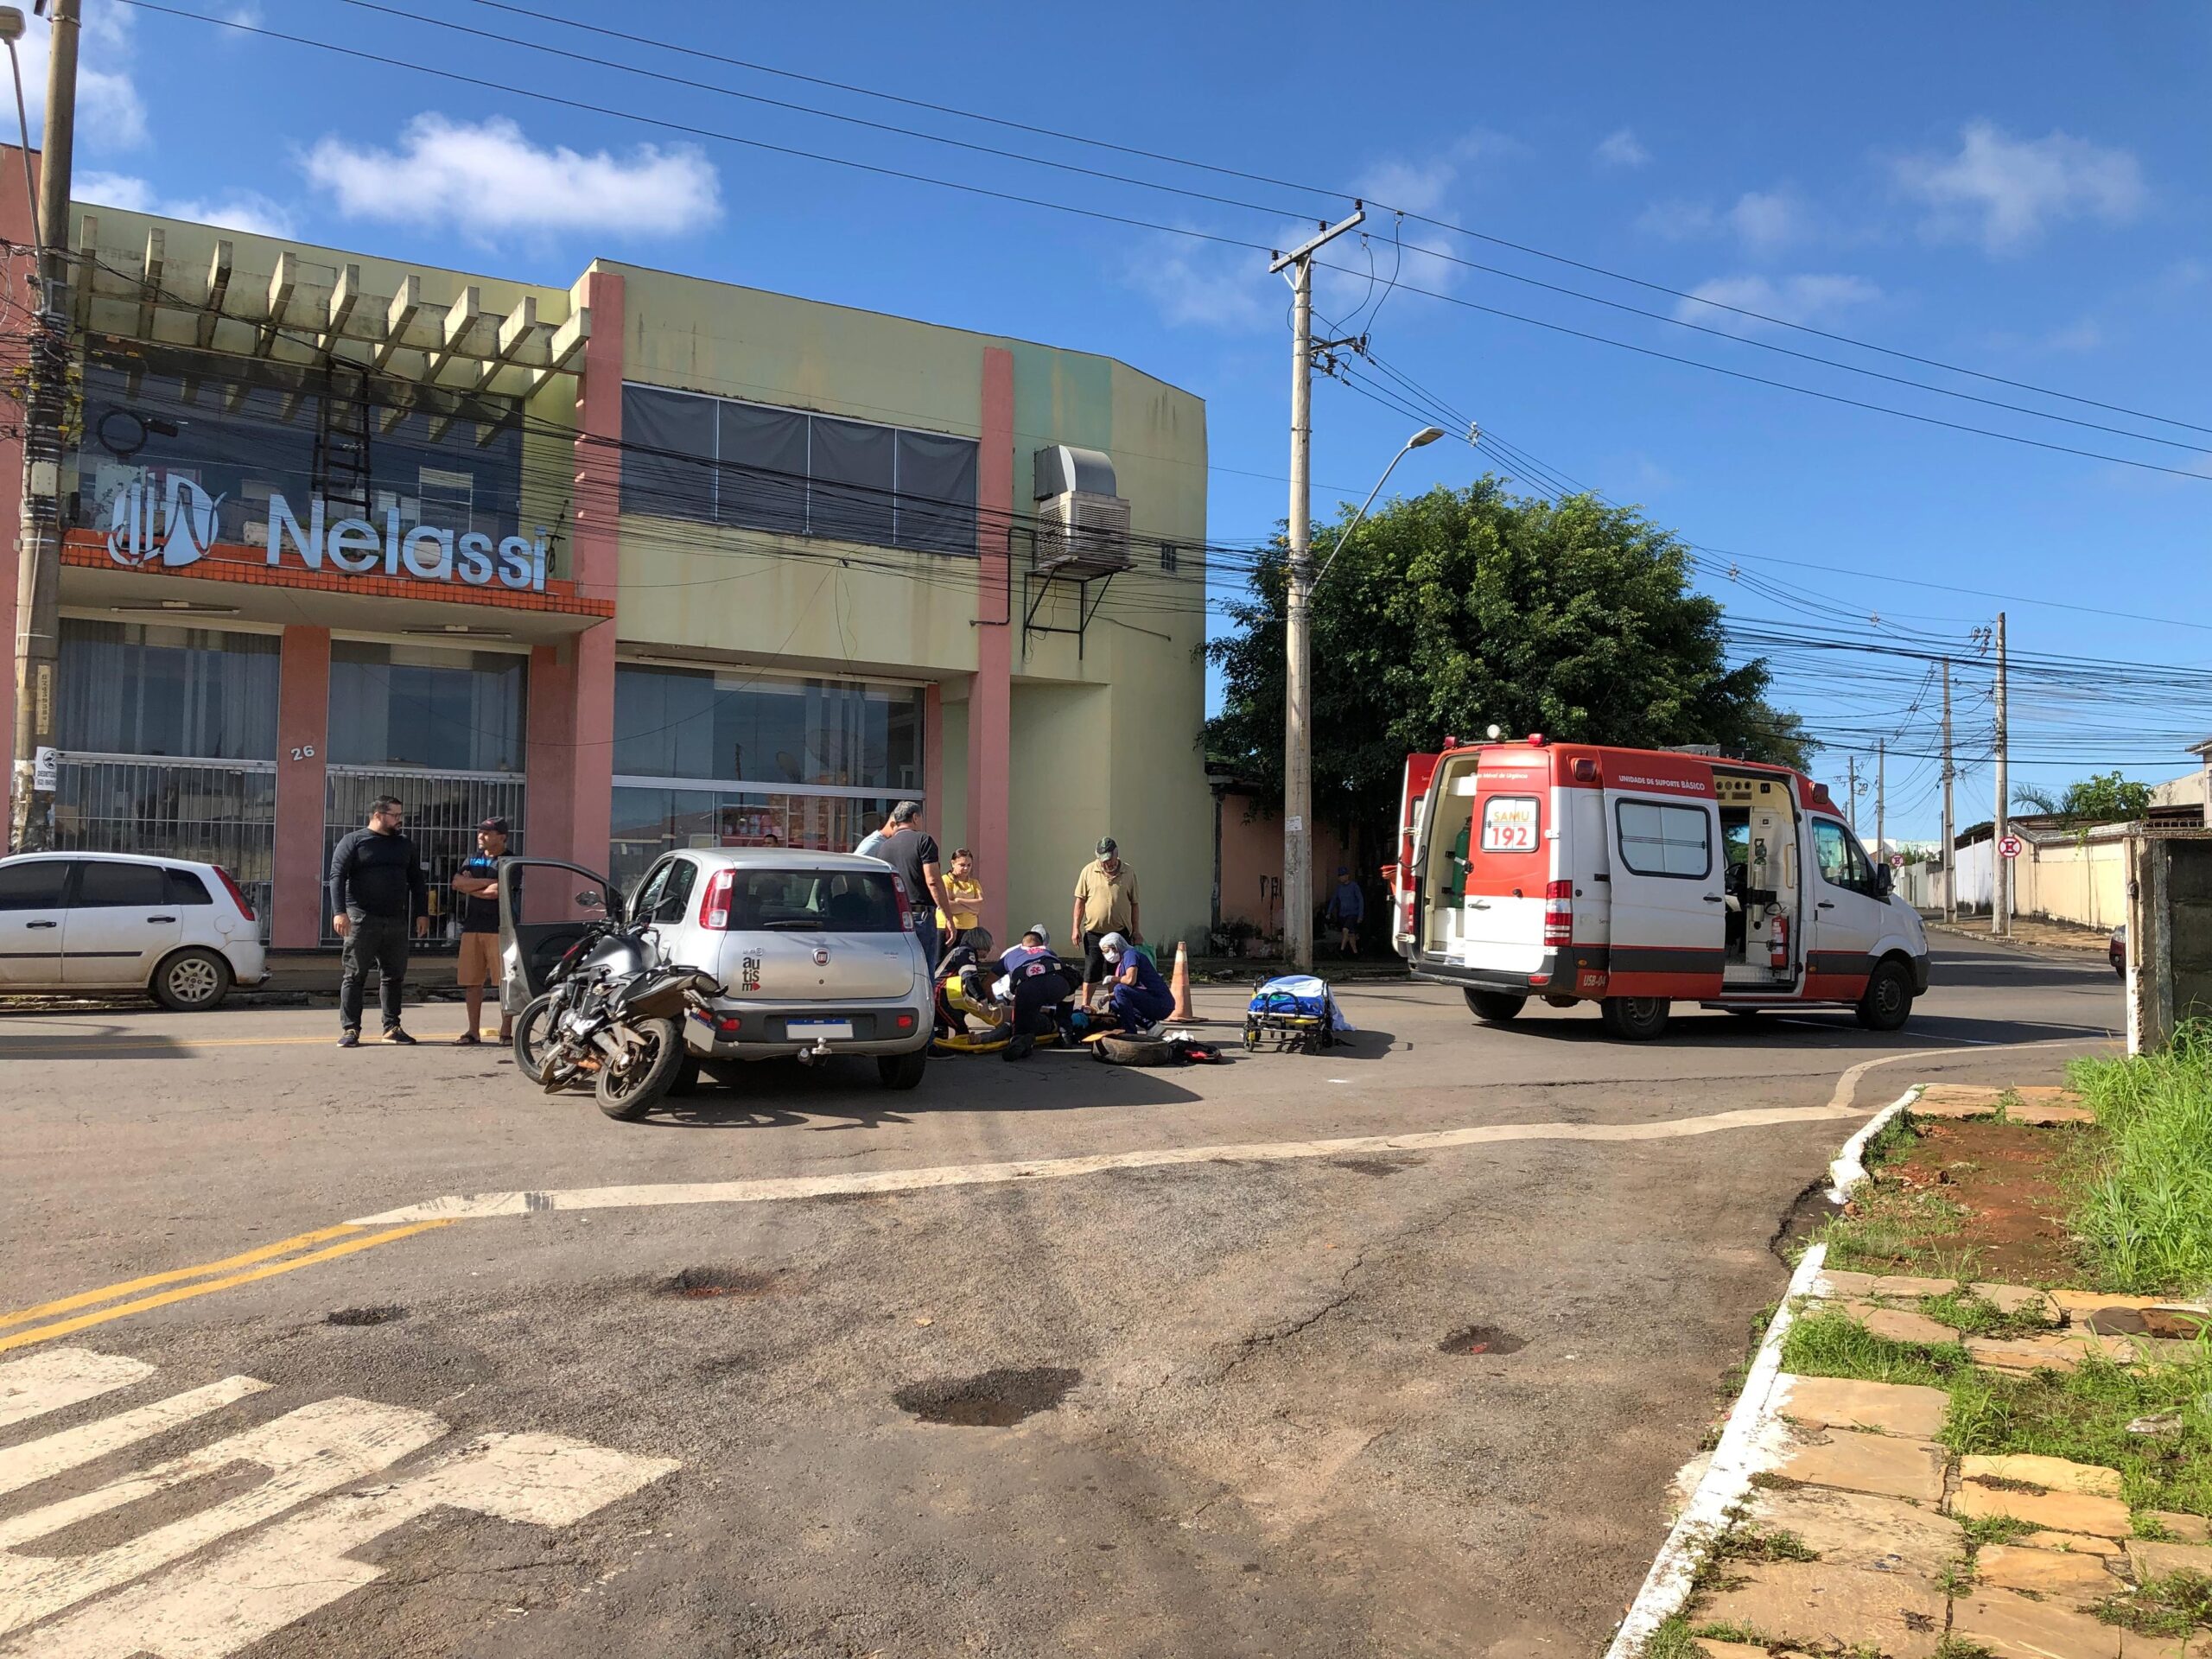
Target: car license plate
x=820 y=1028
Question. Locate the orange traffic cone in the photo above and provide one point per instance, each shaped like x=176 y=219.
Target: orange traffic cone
x=1180 y=986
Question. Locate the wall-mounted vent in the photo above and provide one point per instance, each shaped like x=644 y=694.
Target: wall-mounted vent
x=1083 y=526
x=1061 y=469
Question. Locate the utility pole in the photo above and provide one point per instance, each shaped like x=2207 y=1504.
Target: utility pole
x=1298 y=691
x=1850 y=789
x=39 y=547
x=2000 y=905
x=1881 y=795
x=1950 y=865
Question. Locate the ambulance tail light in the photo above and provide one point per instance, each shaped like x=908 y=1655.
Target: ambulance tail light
x=714 y=909
x=1559 y=913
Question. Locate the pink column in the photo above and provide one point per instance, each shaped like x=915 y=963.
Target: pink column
x=597 y=550
x=302 y=723
x=550 y=813
x=990 y=705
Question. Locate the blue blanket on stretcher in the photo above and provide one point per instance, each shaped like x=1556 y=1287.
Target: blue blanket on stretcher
x=1300 y=995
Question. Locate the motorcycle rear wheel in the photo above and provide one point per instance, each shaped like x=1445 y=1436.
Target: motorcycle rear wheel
x=628 y=1092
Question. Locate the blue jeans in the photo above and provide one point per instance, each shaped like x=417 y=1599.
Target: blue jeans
x=932 y=947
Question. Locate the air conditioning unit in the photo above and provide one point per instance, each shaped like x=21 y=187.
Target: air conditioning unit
x=1083 y=526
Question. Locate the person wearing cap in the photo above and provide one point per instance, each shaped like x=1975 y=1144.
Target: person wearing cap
x=1347 y=909
x=1105 y=902
x=1140 y=998
x=477 y=886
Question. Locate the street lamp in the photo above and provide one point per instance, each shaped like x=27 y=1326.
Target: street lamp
x=1298 y=738
x=12 y=30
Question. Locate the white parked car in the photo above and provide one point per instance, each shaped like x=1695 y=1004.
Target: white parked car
x=179 y=932
x=817 y=952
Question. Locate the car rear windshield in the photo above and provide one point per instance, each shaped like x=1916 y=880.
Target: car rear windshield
x=829 y=901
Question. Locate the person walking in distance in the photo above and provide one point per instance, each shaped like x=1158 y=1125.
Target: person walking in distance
x=477 y=886
x=376 y=890
x=1347 y=909
x=1105 y=902
x=913 y=851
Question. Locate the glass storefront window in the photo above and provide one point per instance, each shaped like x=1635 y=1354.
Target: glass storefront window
x=419 y=706
x=132 y=689
x=736 y=727
x=650 y=821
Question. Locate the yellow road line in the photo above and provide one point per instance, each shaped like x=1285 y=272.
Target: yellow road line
x=109 y=1292
x=65 y=1327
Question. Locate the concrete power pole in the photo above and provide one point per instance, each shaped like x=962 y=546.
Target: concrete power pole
x=1851 y=790
x=1298 y=690
x=2000 y=906
x=39 y=550
x=1881 y=795
x=1951 y=859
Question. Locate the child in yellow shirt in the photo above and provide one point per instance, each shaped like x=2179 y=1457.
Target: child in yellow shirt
x=964 y=897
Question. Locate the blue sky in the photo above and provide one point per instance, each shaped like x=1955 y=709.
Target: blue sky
x=2016 y=189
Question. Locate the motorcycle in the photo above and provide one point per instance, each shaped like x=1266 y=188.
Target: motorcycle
x=613 y=1014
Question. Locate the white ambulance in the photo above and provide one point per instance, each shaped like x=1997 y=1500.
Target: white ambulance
x=1639 y=878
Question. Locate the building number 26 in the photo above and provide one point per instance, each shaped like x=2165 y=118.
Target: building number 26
x=304 y=752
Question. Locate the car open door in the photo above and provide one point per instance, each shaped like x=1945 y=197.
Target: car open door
x=1669 y=913
x=544 y=906
x=1405 y=875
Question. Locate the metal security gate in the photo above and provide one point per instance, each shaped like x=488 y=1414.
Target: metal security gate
x=443 y=808
x=210 y=811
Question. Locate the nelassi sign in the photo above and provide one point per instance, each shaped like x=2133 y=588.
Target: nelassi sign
x=169 y=521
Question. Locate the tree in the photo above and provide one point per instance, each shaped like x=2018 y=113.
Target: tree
x=2101 y=798
x=1460 y=609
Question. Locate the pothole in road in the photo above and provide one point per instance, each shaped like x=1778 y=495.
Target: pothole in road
x=698 y=1283
x=993 y=1400
x=386 y=1315
x=1377 y=1166
x=1481 y=1339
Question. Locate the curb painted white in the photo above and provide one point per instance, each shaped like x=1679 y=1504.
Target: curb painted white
x=1848 y=1167
x=1749 y=1441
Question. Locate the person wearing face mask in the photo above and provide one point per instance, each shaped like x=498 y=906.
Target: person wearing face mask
x=1137 y=995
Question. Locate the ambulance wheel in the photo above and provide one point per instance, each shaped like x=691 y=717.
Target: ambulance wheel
x=1635 y=1019
x=1494 y=1008
x=1887 y=1003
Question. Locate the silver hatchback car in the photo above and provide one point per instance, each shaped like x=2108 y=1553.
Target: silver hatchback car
x=817 y=952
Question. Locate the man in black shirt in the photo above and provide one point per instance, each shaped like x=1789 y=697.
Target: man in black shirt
x=913 y=851
x=376 y=887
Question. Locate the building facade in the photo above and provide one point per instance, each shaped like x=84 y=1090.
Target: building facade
x=640 y=562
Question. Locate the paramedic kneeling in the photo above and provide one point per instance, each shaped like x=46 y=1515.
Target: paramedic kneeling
x=1140 y=998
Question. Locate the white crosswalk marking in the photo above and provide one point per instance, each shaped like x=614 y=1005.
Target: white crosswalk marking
x=143 y=1596
x=36 y=1460
x=314 y=1450
x=205 y=1610
x=55 y=1377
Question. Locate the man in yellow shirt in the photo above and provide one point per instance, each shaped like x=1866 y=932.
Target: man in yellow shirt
x=964 y=899
x=1105 y=902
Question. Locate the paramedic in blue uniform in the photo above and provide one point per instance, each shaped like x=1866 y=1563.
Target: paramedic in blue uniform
x=1140 y=998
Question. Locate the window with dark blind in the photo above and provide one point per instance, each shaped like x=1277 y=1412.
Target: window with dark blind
x=849 y=494
x=668 y=453
x=935 y=493
x=760 y=478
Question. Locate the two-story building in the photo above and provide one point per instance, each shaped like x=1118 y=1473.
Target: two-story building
x=642 y=561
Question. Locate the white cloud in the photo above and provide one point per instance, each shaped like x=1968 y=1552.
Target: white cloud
x=1762 y=220
x=238 y=210
x=1677 y=221
x=488 y=177
x=1201 y=285
x=111 y=115
x=1809 y=298
x=2003 y=192
x=1621 y=149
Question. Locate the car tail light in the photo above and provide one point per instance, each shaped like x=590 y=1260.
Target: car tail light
x=905 y=906
x=728 y=1025
x=905 y=1022
x=237 y=898
x=1559 y=913
x=714 y=909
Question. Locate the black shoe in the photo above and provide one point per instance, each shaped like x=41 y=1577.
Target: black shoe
x=394 y=1035
x=349 y=1038
x=467 y=1040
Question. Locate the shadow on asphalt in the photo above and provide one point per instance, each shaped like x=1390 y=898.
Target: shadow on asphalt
x=1717 y=1030
x=97 y=1042
x=782 y=1094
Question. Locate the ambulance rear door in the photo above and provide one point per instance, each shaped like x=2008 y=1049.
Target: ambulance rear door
x=1405 y=875
x=1669 y=913
x=1509 y=862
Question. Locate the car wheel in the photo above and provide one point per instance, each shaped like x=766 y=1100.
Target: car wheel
x=901 y=1070
x=1494 y=1008
x=1635 y=1019
x=192 y=981
x=1886 y=1003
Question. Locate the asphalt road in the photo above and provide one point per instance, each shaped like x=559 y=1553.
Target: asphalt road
x=1125 y=1395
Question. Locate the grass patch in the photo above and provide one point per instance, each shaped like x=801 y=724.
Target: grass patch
x=1722 y=1630
x=2083 y=1415
x=1887 y=1142
x=1672 y=1640
x=2179 y=1605
x=1957 y=1647
x=1742 y=1542
x=1830 y=1343
x=2144 y=1205
x=1972 y=1315
x=1983 y=1530
x=1896 y=1228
